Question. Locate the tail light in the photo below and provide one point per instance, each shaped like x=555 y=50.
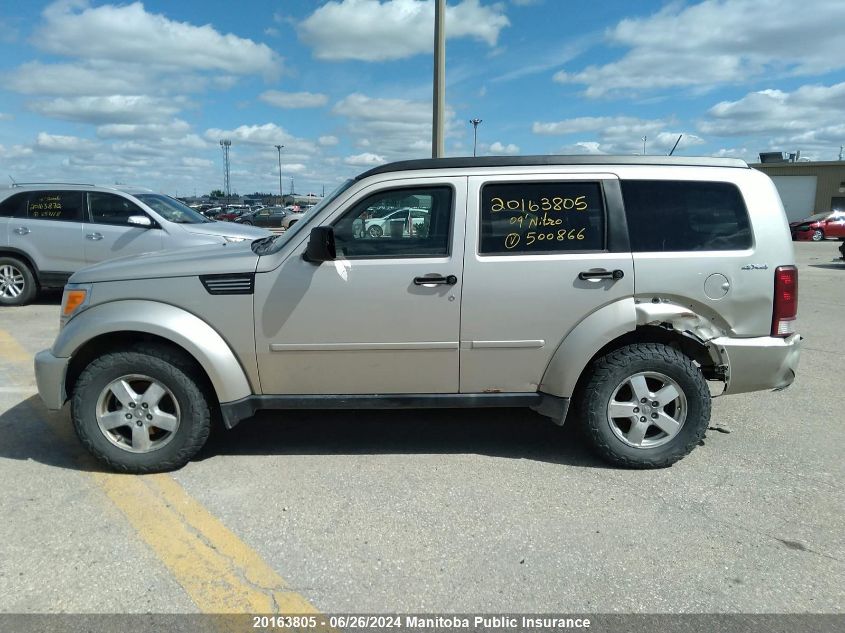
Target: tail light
x=785 y=307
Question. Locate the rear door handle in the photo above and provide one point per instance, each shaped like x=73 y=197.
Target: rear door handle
x=94 y=236
x=22 y=230
x=601 y=274
x=440 y=280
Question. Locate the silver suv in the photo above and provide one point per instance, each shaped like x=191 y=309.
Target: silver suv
x=48 y=232
x=607 y=291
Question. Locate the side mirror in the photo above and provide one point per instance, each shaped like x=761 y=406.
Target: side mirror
x=321 y=247
x=139 y=220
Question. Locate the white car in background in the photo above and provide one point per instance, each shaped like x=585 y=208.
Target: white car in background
x=411 y=219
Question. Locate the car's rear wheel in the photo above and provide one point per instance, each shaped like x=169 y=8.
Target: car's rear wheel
x=645 y=405
x=17 y=283
x=247 y=222
x=142 y=410
x=375 y=231
x=818 y=235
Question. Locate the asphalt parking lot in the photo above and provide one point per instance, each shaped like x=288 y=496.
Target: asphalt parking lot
x=436 y=511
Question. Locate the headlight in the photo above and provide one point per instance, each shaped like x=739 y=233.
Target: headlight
x=233 y=239
x=74 y=299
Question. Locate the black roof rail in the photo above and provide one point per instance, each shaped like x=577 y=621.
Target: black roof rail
x=546 y=160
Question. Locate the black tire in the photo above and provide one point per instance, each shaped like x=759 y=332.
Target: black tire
x=186 y=396
x=818 y=235
x=292 y=222
x=247 y=222
x=17 y=283
x=375 y=231
x=608 y=375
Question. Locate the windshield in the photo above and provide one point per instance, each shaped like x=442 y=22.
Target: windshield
x=267 y=246
x=171 y=209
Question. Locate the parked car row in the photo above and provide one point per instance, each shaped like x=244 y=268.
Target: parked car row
x=270 y=218
x=48 y=232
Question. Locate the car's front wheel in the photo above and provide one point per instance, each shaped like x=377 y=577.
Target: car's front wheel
x=818 y=235
x=645 y=405
x=375 y=231
x=142 y=410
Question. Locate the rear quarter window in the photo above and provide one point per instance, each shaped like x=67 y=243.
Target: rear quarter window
x=671 y=215
x=55 y=205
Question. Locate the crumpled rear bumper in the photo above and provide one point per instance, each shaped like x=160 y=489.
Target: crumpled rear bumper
x=761 y=363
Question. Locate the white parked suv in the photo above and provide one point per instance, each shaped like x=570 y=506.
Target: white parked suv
x=601 y=291
x=49 y=231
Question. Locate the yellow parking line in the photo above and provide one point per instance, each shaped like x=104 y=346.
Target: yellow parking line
x=11 y=350
x=219 y=572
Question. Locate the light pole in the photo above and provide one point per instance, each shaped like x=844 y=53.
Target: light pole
x=644 y=139
x=279 y=149
x=226 y=144
x=439 y=92
x=475 y=123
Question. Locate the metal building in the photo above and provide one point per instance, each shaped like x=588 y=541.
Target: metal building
x=807 y=187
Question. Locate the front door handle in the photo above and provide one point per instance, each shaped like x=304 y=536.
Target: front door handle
x=22 y=230
x=440 y=280
x=94 y=236
x=601 y=274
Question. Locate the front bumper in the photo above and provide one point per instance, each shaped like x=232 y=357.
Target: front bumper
x=50 y=372
x=762 y=363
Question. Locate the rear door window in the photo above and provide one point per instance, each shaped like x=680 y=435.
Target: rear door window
x=541 y=218
x=671 y=215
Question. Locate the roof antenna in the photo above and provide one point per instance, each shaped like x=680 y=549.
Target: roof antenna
x=676 y=144
x=14 y=184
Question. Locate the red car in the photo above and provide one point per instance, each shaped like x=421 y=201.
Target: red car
x=819 y=226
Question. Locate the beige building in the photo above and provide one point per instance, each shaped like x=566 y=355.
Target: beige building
x=808 y=187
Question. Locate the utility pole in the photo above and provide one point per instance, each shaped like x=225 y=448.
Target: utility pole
x=475 y=123
x=645 y=138
x=279 y=149
x=226 y=144
x=439 y=96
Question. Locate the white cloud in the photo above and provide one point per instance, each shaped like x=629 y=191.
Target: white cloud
x=70 y=80
x=203 y=163
x=619 y=125
x=394 y=128
x=328 y=141
x=293 y=99
x=810 y=118
x=111 y=109
x=716 y=42
x=143 y=130
x=379 y=30
x=5 y=117
x=266 y=135
x=128 y=33
x=500 y=148
x=15 y=151
x=365 y=160
x=58 y=143
x=618 y=135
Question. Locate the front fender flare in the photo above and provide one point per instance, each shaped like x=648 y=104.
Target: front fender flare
x=174 y=324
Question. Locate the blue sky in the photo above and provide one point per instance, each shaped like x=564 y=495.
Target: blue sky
x=141 y=93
